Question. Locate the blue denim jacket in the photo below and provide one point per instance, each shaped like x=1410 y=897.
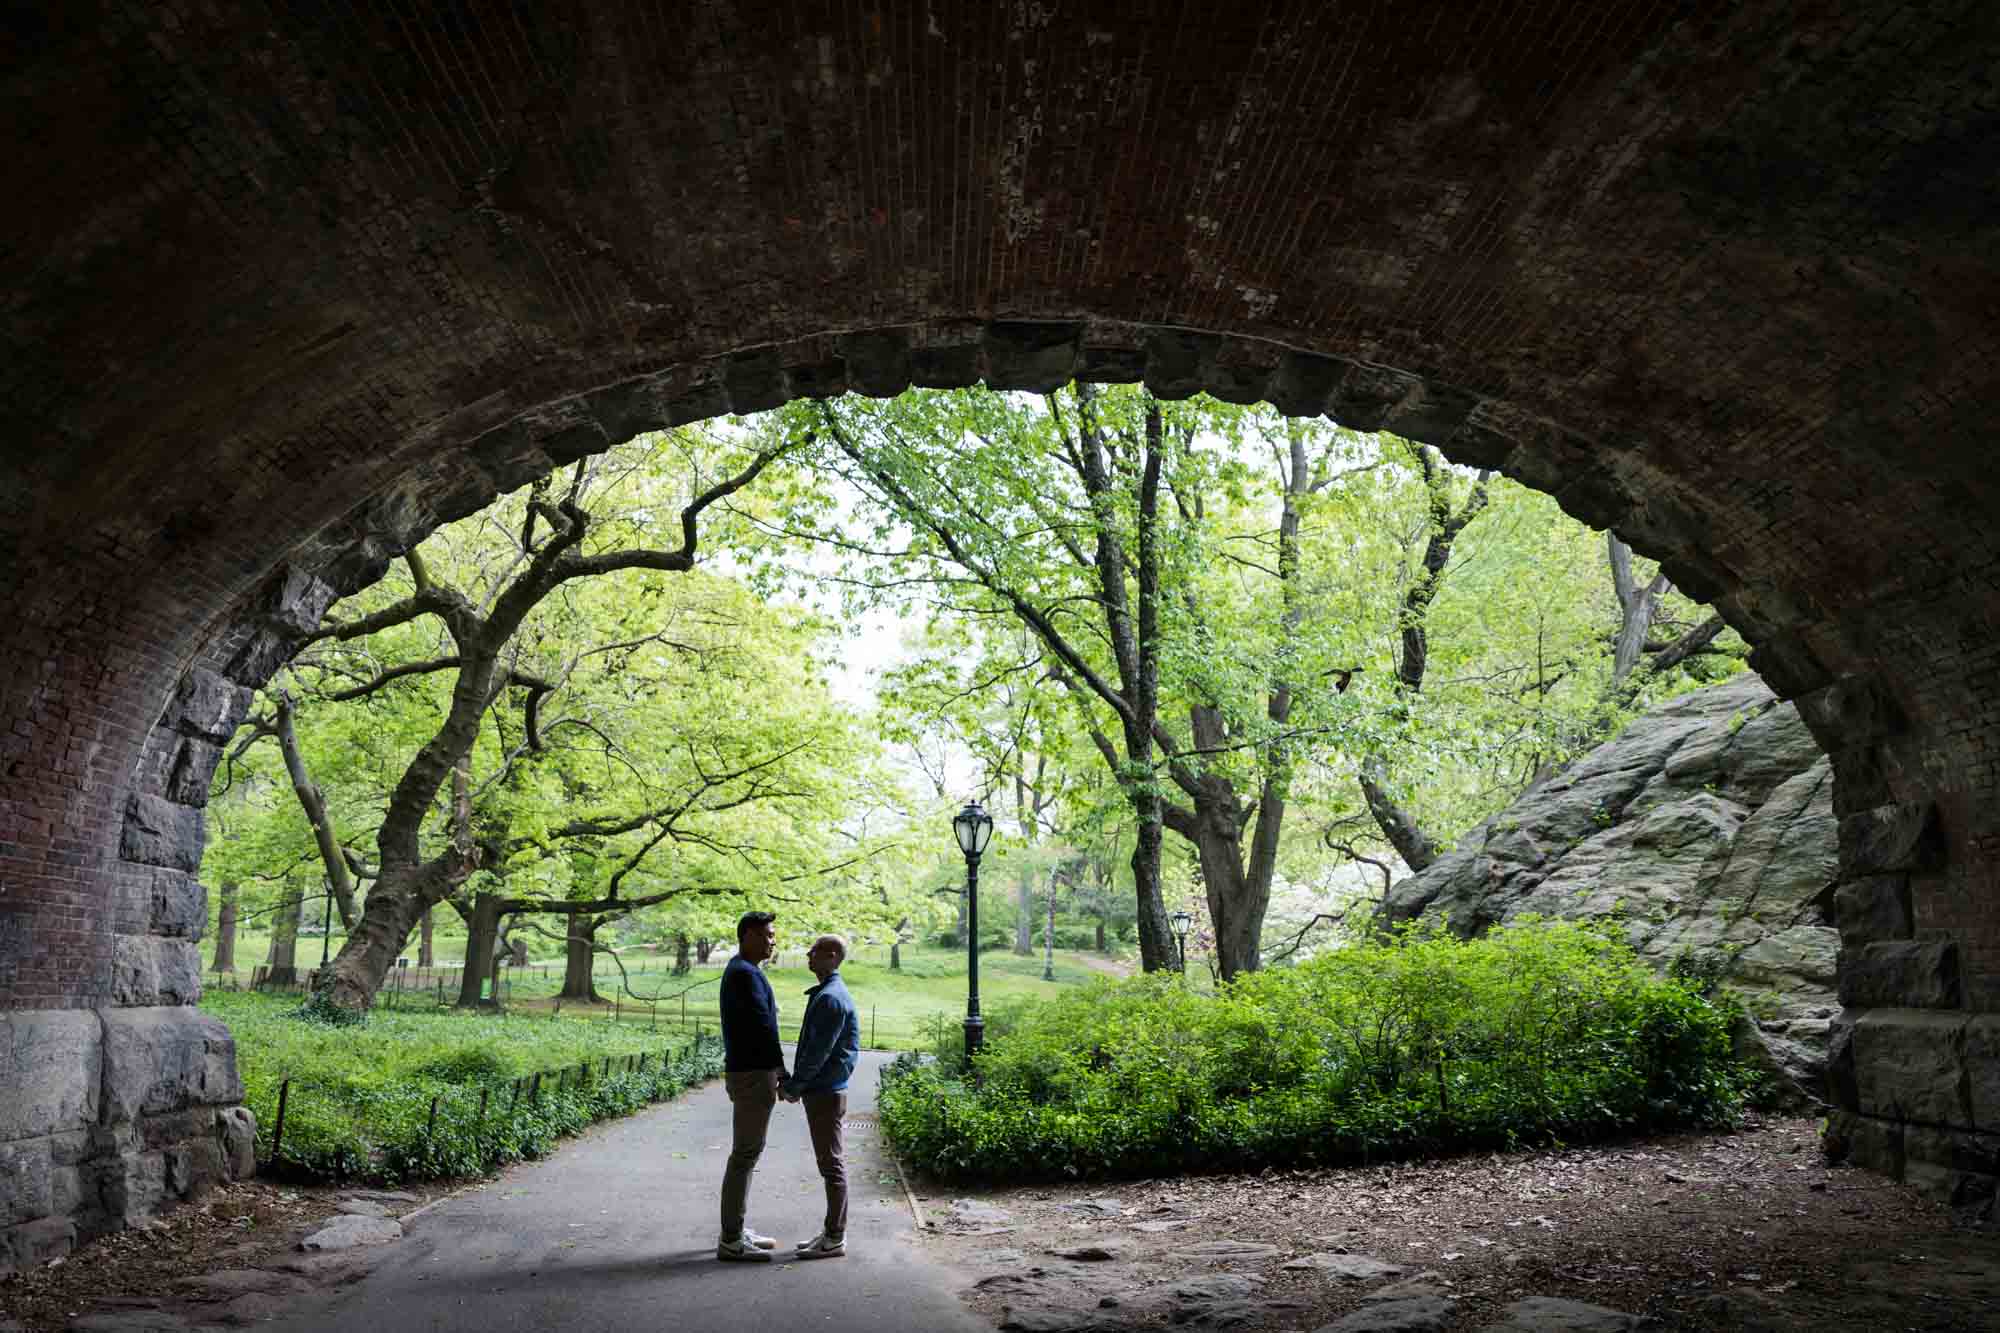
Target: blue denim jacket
x=829 y=1041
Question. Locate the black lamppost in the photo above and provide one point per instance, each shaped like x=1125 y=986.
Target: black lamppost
x=1181 y=922
x=325 y=928
x=973 y=828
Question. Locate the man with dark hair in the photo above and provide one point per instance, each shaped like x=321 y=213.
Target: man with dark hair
x=753 y=1068
x=829 y=1046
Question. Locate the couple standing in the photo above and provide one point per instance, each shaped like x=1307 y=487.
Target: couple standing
x=754 y=1072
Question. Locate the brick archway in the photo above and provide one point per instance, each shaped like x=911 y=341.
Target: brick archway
x=297 y=288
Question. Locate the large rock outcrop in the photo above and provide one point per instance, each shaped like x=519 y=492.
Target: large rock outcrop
x=1707 y=826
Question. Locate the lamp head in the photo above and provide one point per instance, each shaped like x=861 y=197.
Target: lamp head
x=973 y=828
x=1182 y=920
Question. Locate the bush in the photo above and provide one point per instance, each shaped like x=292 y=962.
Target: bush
x=1537 y=1032
x=359 y=1106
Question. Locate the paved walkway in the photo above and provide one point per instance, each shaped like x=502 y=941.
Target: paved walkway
x=617 y=1231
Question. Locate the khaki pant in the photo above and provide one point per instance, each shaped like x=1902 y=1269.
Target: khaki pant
x=826 y=1117
x=752 y=1094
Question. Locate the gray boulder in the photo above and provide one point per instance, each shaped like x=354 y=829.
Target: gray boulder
x=1707 y=827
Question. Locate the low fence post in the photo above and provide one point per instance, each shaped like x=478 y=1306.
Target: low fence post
x=278 y=1131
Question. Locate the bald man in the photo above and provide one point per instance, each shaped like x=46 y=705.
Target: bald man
x=829 y=1046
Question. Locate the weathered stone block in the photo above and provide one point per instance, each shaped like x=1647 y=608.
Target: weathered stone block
x=298 y=600
x=1890 y=838
x=1432 y=413
x=1110 y=365
x=34 y=1243
x=1788 y=665
x=236 y=1129
x=207 y=705
x=192 y=767
x=1367 y=395
x=755 y=381
x=1841 y=1082
x=950 y=367
x=1908 y=1065
x=1873 y=908
x=154 y=970
x=1900 y=974
x=1982 y=1065
x=1855 y=708
x=698 y=402
x=177 y=905
x=1037 y=357
x=24 y=1181
x=878 y=362
x=1865 y=1141
x=160 y=832
x=67 y=1196
x=134 y=1185
x=1956 y=1166
x=1302 y=383
x=48 y=1071
x=821 y=379
x=165 y=1059
x=175 y=1128
x=510 y=456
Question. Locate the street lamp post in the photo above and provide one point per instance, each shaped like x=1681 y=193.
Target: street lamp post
x=1181 y=922
x=973 y=828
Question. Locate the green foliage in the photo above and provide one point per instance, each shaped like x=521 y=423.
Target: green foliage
x=359 y=1107
x=1537 y=1032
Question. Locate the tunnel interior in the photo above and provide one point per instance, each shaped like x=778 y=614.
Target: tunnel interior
x=298 y=285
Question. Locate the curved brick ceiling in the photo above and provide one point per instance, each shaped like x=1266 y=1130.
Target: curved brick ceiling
x=287 y=283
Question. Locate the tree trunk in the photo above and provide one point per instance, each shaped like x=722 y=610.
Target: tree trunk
x=426 y=930
x=482 y=943
x=681 y=964
x=388 y=915
x=284 y=963
x=1156 y=933
x=963 y=903
x=225 y=927
x=579 y=957
x=895 y=955
x=1024 y=912
x=1049 y=937
x=703 y=947
x=1102 y=947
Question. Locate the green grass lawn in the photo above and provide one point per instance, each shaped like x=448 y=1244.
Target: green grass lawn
x=899 y=1009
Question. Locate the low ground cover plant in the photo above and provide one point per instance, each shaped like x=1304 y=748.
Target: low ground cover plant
x=504 y=1087
x=1535 y=1032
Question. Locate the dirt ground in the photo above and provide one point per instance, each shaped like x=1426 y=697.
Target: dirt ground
x=1745 y=1230
x=253 y=1224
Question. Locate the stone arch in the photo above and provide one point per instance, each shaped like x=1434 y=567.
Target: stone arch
x=301 y=287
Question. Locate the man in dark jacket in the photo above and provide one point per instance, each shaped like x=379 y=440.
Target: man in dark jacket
x=753 y=1068
x=829 y=1045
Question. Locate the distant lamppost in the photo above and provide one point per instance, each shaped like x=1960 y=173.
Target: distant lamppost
x=973 y=828
x=325 y=927
x=1181 y=922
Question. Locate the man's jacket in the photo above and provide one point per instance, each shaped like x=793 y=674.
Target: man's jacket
x=749 y=1019
x=829 y=1041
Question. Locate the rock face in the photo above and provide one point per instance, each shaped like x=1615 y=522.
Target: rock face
x=1708 y=828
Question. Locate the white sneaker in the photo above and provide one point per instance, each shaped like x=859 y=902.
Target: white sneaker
x=741 y=1251
x=821 y=1246
x=759 y=1240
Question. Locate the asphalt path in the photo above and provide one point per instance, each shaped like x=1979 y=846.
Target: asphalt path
x=617 y=1230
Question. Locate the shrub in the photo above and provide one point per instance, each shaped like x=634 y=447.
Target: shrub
x=1536 y=1032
